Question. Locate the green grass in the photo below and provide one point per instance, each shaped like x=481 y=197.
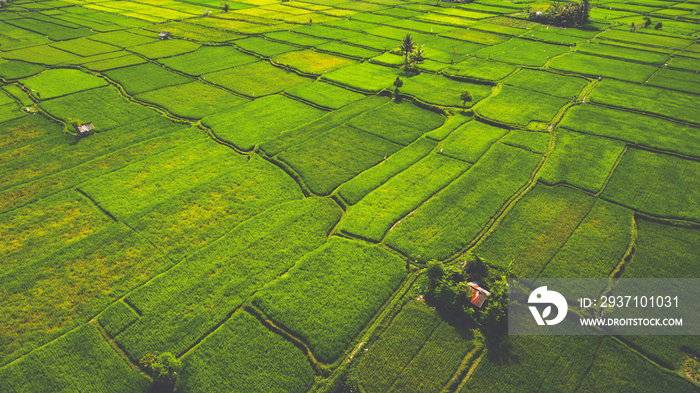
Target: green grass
x=401 y=123
x=309 y=302
x=471 y=140
x=117 y=317
x=365 y=77
x=440 y=90
x=10 y=69
x=145 y=77
x=664 y=251
x=646 y=39
x=658 y=184
x=60 y=82
x=104 y=107
x=535 y=363
x=241 y=347
x=633 y=128
x=218 y=278
x=295 y=39
x=332 y=158
x=208 y=59
x=362 y=184
x=676 y=80
x=254 y=123
x=85 y=47
x=516 y=106
x=263 y=47
x=480 y=69
x=193 y=100
x=312 y=62
x=609 y=227
x=449 y=220
x=673 y=104
x=476 y=36
x=117 y=62
x=79 y=361
x=523 y=52
x=192 y=217
x=584 y=161
x=623 y=53
x=319 y=126
x=549 y=215
x=347 y=50
x=535 y=142
x=372 y=217
x=547 y=82
x=256 y=79
x=42 y=54
x=600 y=66
x=324 y=94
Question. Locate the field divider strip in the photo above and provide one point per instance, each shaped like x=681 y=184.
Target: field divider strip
x=612 y=171
x=97 y=205
x=471 y=371
x=462 y=370
x=120 y=352
x=629 y=253
x=645 y=113
x=590 y=366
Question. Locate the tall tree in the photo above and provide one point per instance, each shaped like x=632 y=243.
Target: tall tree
x=465 y=96
x=417 y=56
x=407 y=47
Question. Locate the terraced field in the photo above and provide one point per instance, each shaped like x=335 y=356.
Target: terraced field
x=265 y=187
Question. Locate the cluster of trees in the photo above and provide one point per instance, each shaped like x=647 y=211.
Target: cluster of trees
x=565 y=14
x=647 y=23
x=164 y=369
x=411 y=52
x=447 y=288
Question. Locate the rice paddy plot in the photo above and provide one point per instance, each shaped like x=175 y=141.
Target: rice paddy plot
x=309 y=302
x=641 y=38
x=632 y=127
x=208 y=59
x=549 y=215
x=581 y=160
x=372 y=217
x=620 y=52
x=332 y=158
x=243 y=346
x=41 y=54
x=312 y=62
x=122 y=38
x=649 y=99
x=443 y=91
x=192 y=217
x=513 y=105
x=401 y=123
x=658 y=184
x=450 y=220
x=60 y=82
x=532 y=141
x=10 y=69
x=193 y=100
x=347 y=50
x=362 y=184
x=480 y=69
x=164 y=48
x=476 y=36
x=609 y=227
x=596 y=66
x=324 y=94
x=522 y=52
x=365 y=77
x=321 y=125
x=256 y=79
x=80 y=360
x=145 y=77
x=193 y=32
x=676 y=80
x=85 y=47
x=263 y=47
x=558 y=362
x=546 y=82
x=295 y=38
x=103 y=107
x=261 y=120
x=218 y=278
x=471 y=140
x=117 y=317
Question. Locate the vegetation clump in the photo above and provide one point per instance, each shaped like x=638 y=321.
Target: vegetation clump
x=564 y=14
x=164 y=368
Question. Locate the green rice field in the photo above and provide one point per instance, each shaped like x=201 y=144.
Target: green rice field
x=254 y=196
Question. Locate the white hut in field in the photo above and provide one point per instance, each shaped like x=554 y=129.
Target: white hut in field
x=164 y=35
x=480 y=294
x=86 y=129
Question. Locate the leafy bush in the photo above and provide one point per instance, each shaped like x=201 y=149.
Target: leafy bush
x=164 y=368
x=568 y=14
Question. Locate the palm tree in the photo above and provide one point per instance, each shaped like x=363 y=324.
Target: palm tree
x=417 y=56
x=465 y=96
x=407 y=46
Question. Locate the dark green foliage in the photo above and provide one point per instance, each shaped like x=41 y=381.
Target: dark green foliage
x=564 y=14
